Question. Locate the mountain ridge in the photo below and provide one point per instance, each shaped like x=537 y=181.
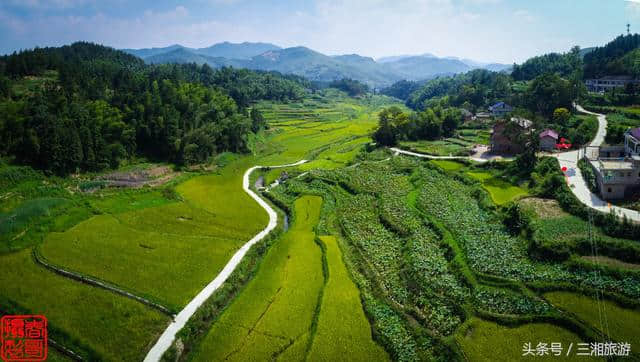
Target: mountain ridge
x=314 y=65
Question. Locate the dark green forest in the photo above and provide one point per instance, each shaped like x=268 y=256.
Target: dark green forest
x=565 y=65
x=619 y=57
x=94 y=106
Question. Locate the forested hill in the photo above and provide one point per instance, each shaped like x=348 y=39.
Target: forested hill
x=619 y=57
x=88 y=107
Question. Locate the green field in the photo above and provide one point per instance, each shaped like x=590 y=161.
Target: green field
x=343 y=330
x=273 y=315
x=460 y=145
x=104 y=321
x=446 y=147
x=606 y=316
x=501 y=191
x=488 y=341
x=171 y=268
x=448 y=165
x=178 y=242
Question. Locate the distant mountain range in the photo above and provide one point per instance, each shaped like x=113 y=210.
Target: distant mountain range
x=314 y=65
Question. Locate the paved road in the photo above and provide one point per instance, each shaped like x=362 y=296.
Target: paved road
x=577 y=183
x=598 y=140
x=168 y=336
x=431 y=157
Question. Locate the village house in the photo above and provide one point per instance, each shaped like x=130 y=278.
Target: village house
x=505 y=133
x=610 y=82
x=482 y=116
x=548 y=140
x=617 y=168
x=466 y=114
x=500 y=109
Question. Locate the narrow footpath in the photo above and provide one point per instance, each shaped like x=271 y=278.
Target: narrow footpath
x=169 y=335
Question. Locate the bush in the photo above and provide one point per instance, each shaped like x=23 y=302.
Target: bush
x=589 y=175
x=515 y=219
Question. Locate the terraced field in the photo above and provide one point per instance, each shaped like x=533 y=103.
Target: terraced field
x=292 y=310
x=488 y=341
x=501 y=191
x=342 y=328
x=91 y=321
x=105 y=248
x=414 y=262
x=177 y=241
x=461 y=145
x=621 y=324
x=273 y=315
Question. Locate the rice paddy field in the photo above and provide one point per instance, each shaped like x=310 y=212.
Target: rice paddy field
x=500 y=190
x=620 y=324
x=343 y=329
x=178 y=241
x=489 y=341
x=92 y=319
x=448 y=165
x=273 y=315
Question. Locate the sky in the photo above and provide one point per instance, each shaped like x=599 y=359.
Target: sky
x=503 y=31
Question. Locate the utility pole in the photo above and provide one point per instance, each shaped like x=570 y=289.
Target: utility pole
x=628 y=29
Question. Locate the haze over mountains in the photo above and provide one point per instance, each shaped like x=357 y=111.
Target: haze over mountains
x=314 y=65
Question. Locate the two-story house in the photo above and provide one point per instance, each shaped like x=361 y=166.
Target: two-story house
x=610 y=82
x=617 y=168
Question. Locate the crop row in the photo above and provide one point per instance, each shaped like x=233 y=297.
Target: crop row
x=505 y=302
x=419 y=262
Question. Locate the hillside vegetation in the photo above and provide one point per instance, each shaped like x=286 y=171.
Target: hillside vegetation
x=98 y=107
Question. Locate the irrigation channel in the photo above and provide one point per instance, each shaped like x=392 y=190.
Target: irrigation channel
x=169 y=335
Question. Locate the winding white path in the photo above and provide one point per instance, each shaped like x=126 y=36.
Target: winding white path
x=169 y=335
x=431 y=157
x=576 y=182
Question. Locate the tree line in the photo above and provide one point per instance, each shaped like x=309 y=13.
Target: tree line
x=395 y=125
x=105 y=106
x=475 y=91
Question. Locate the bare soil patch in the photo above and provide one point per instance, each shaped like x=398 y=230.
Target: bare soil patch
x=544 y=208
x=137 y=178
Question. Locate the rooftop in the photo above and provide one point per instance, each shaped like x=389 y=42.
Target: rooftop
x=522 y=122
x=615 y=77
x=614 y=165
x=550 y=133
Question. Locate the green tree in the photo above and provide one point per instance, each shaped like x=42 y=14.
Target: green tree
x=391 y=122
x=452 y=117
x=561 y=115
x=257 y=120
x=547 y=93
